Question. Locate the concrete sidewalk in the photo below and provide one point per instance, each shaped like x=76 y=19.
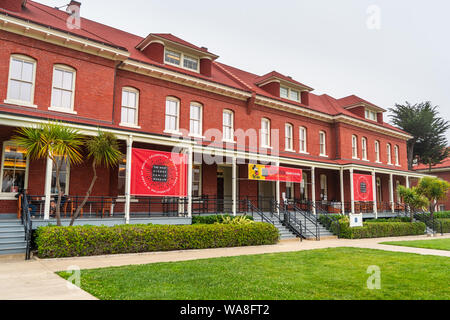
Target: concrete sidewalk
x=36 y=279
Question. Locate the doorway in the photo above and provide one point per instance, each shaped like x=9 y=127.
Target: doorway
x=266 y=193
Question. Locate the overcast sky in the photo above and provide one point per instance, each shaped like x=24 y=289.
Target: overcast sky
x=384 y=51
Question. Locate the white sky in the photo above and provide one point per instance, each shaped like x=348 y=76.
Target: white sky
x=325 y=44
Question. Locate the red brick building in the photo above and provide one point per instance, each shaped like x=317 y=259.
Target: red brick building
x=161 y=91
x=442 y=171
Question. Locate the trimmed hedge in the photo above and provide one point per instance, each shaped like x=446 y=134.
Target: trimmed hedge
x=397 y=219
x=57 y=242
x=445 y=225
x=379 y=230
x=214 y=219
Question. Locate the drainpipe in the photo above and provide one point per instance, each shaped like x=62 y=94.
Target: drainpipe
x=114 y=91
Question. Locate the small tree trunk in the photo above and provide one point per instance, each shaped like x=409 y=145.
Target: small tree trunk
x=410 y=153
x=88 y=194
x=58 y=187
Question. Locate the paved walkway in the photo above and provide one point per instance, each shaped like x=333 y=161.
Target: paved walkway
x=36 y=279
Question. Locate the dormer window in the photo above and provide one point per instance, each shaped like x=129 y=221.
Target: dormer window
x=179 y=59
x=288 y=93
x=371 y=115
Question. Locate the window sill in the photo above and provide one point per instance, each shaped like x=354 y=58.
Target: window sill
x=20 y=103
x=303 y=152
x=62 y=110
x=266 y=147
x=356 y=158
x=397 y=165
x=175 y=133
x=379 y=162
x=323 y=155
x=8 y=196
x=129 y=125
x=367 y=160
x=229 y=141
x=196 y=136
x=290 y=150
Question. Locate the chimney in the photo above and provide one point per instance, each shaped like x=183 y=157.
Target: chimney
x=13 y=5
x=73 y=6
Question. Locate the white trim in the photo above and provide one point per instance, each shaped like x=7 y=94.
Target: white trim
x=19 y=103
x=129 y=125
x=321 y=132
x=62 y=110
x=177 y=122
x=182 y=57
x=135 y=91
x=200 y=120
x=22 y=58
x=68 y=69
x=227 y=139
x=8 y=195
x=291 y=138
x=305 y=150
x=268 y=133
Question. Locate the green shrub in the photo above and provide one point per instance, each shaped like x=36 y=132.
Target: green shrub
x=397 y=219
x=215 y=219
x=445 y=225
x=56 y=242
x=378 y=230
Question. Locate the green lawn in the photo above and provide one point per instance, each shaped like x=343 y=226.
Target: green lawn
x=439 y=244
x=338 y=273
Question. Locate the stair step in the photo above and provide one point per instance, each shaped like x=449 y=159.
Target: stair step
x=12 y=250
x=13 y=237
x=11 y=229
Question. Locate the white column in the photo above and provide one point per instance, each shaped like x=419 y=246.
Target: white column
x=341 y=172
x=391 y=192
x=278 y=191
x=313 y=189
x=128 y=179
x=352 y=191
x=189 y=189
x=234 y=185
x=374 y=191
x=407 y=181
x=48 y=188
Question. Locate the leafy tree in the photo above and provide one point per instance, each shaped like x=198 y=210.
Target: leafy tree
x=103 y=149
x=434 y=189
x=55 y=141
x=428 y=129
x=412 y=199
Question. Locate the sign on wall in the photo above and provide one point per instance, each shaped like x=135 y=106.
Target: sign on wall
x=273 y=173
x=158 y=173
x=363 y=187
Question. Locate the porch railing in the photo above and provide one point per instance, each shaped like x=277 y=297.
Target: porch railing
x=27 y=223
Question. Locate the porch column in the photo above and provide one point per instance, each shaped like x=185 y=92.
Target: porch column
x=189 y=189
x=48 y=188
x=278 y=191
x=374 y=192
x=391 y=192
x=352 y=191
x=128 y=180
x=313 y=189
x=234 y=185
x=407 y=181
x=341 y=173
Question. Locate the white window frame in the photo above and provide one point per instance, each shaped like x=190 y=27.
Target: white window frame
x=64 y=68
x=135 y=124
x=200 y=120
x=66 y=191
x=266 y=134
x=371 y=115
x=324 y=143
x=177 y=121
x=200 y=178
x=389 y=153
x=377 y=152
x=355 y=147
x=289 y=91
x=289 y=138
x=182 y=57
x=324 y=186
x=364 y=148
x=303 y=148
x=397 y=155
x=11 y=195
x=291 y=186
x=9 y=100
x=305 y=185
x=231 y=126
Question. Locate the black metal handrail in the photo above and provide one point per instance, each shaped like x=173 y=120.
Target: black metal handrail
x=27 y=223
x=307 y=216
x=252 y=209
x=293 y=224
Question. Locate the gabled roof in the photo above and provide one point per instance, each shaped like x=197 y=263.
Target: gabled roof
x=274 y=75
x=355 y=101
x=445 y=164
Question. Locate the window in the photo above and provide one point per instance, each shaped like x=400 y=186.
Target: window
x=397 y=184
x=289 y=190
x=364 y=148
x=265 y=132
x=196 y=181
x=172 y=111
x=377 y=151
x=354 y=147
x=323 y=187
x=291 y=94
x=288 y=137
x=228 y=126
x=396 y=155
x=63 y=88
x=130 y=102
x=379 y=191
x=302 y=138
x=304 y=187
x=195 y=122
x=371 y=115
x=441 y=207
x=322 y=143
x=22 y=74
x=64 y=174
x=179 y=59
x=14 y=168
x=122 y=175
x=388 y=152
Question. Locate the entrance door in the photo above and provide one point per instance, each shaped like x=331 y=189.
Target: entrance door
x=224 y=189
x=220 y=192
x=266 y=193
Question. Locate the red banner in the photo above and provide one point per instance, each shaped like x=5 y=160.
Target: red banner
x=363 y=187
x=158 y=173
x=273 y=173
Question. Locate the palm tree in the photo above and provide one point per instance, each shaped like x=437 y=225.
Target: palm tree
x=103 y=149
x=55 y=141
x=412 y=199
x=434 y=189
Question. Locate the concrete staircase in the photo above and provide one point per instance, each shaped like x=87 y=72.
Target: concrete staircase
x=285 y=233
x=12 y=237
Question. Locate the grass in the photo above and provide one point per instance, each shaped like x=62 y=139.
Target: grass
x=438 y=244
x=337 y=273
